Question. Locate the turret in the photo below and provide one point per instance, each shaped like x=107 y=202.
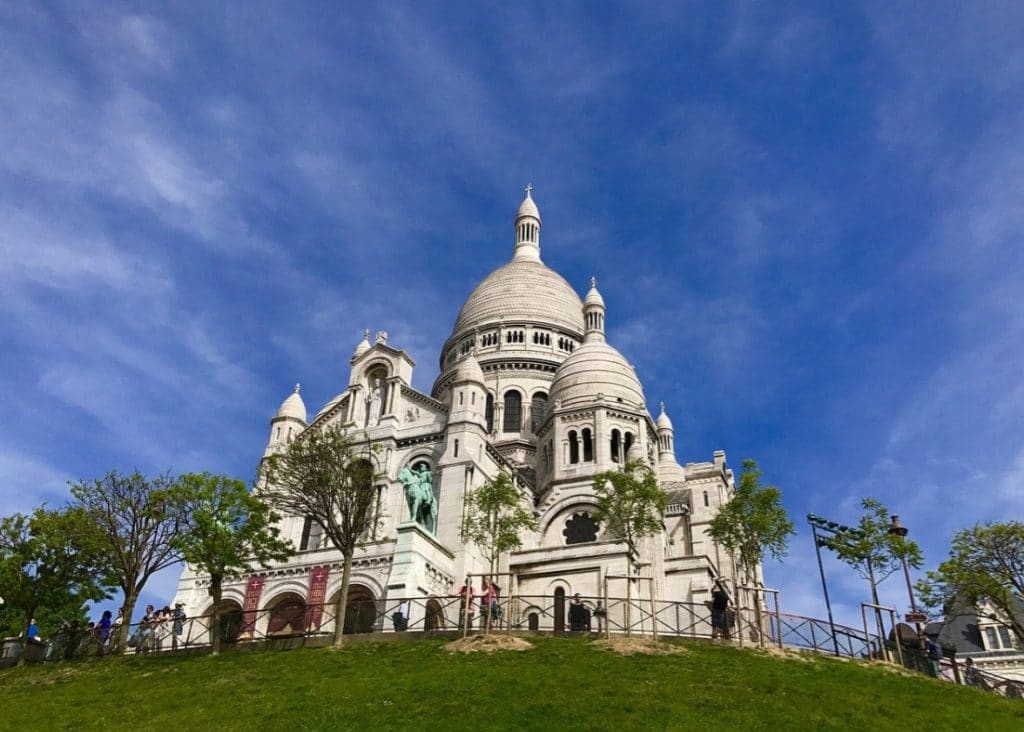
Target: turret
x=593 y=315
x=289 y=421
x=666 y=437
x=528 y=229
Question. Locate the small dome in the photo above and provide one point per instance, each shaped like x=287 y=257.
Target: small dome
x=663 y=423
x=634 y=452
x=293 y=407
x=469 y=370
x=593 y=369
x=528 y=207
x=363 y=347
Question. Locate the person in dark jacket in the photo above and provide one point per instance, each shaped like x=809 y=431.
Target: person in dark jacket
x=579 y=615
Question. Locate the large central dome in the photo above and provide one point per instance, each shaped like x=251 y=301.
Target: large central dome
x=522 y=290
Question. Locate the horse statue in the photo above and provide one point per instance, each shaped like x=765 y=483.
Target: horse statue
x=419 y=495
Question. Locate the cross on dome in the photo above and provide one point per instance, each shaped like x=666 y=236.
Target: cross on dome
x=528 y=189
x=298 y=387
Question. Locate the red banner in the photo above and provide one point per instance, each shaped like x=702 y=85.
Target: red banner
x=252 y=603
x=317 y=594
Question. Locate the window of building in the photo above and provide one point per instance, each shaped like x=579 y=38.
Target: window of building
x=512 y=416
x=489 y=412
x=580 y=529
x=588 y=447
x=706 y=502
x=574 y=448
x=538 y=410
x=616 y=444
x=627 y=442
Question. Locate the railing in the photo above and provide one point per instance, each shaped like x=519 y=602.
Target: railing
x=293 y=622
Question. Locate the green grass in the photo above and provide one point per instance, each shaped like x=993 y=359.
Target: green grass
x=560 y=684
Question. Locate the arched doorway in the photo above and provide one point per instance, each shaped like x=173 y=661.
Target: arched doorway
x=287 y=616
x=559 y=609
x=533 y=621
x=434 y=619
x=229 y=621
x=360 y=610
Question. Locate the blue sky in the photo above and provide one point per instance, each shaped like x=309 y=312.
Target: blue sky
x=806 y=222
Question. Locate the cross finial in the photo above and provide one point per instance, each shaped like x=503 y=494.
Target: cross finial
x=593 y=282
x=528 y=189
x=297 y=387
x=662 y=405
x=366 y=334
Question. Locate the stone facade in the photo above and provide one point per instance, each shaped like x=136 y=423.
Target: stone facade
x=528 y=384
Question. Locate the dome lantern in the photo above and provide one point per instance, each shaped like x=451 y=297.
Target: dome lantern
x=527 y=229
x=593 y=315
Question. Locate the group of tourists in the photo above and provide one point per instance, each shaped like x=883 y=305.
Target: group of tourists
x=157 y=626
x=490 y=603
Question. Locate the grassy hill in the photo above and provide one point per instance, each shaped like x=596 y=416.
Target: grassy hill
x=562 y=683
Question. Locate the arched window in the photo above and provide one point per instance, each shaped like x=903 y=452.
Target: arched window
x=574 y=448
x=616 y=445
x=588 y=447
x=512 y=417
x=580 y=529
x=538 y=410
x=627 y=443
x=489 y=413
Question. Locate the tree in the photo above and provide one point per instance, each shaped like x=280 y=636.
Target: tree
x=231 y=532
x=751 y=524
x=136 y=520
x=322 y=475
x=630 y=506
x=873 y=550
x=986 y=563
x=494 y=517
x=50 y=560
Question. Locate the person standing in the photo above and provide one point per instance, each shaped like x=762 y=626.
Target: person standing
x=147 y=626
x=579 y=616
x=466 y=596
x=970 y=672
x=719 y=612
x=177 y=624
x=103 y=630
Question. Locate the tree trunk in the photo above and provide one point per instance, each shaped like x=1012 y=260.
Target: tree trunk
x=339 y=612
x=130 y=598
x=216 y=591
x=878 y=613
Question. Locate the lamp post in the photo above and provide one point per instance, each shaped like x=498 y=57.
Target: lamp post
x=897 y=529
x=817 y=522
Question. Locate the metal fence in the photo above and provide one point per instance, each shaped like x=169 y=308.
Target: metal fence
x=295 y=623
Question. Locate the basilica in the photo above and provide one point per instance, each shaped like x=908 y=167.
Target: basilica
x=528 y=384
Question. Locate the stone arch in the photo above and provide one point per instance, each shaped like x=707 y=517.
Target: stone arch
x=360 y=609
x=286 y=614
x=434 y=616
x=230 y=622
x=552 y=522
x=559 y=608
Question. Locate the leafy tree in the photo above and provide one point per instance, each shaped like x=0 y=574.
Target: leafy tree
x=494 y=518
x=751 y=524
x=872 y=549
x=630 y=504
x=50 y=560
x=986 y=563
x=322 y=475
x=231 y=532
x=136 y=520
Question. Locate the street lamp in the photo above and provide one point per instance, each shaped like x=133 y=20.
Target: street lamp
x=914 y=616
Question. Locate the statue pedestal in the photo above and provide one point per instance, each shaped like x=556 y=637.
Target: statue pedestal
x=419 y=566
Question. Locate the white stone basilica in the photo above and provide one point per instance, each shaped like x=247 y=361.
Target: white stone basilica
x=528 y=384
